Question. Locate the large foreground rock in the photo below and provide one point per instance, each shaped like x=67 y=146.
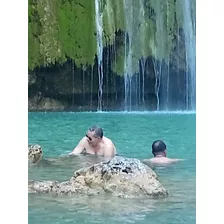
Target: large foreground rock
x=122 y=177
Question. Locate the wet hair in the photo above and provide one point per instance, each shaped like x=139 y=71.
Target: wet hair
x=98 y=131
x=158 y=146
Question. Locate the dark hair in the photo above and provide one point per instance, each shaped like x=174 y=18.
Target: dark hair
x=158 y=146
x=98 y=131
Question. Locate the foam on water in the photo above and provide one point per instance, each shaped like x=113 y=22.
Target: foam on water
x=147 y=112
x=124 y=112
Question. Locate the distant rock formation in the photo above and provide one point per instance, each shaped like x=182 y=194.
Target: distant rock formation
x=119 y=176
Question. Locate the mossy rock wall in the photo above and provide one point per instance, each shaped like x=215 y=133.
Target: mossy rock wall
x=62 y=43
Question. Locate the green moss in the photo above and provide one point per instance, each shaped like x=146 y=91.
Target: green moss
x=76 y=30
x=119 y=17
x=179 y=13
x=118 y=63
x=108 y=23
x=163 y=14
x=84 y=32
x=170 y=26
x=62 y=29
x=113 y=20
x=34 y=29
x=146 y=35
x=67 y=31
x=49 y=43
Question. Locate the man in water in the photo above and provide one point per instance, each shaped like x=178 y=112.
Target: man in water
x=95 y=143
x=159 y=152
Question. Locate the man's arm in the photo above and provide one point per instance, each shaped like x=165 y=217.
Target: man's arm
x=79 y=148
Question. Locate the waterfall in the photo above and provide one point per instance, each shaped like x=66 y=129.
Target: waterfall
x=175 y=88
x=73 y=82
x=99 y=32
x=91 y=88
x=134 y=55
x=83 y=86
x=128 y=53
x=133 y=44
x=190 y=52
x=147 y=52
x=142 y=61
x=159 y=51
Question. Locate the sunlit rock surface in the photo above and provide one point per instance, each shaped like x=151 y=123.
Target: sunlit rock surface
x=119 y=176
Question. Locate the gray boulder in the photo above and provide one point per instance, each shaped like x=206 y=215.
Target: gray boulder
x=35 y=153
x=119 y=176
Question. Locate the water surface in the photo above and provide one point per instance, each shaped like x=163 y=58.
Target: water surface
x=133 y=134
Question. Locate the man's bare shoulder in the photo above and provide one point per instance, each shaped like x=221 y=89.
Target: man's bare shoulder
x=83 y=141
x=108 y=141
x=79 y=148
x=109 y=146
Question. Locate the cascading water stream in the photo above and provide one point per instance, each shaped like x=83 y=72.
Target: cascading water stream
x=128 y=10
x=73 y=82
x=159 y=51
x=174 y=83
x=144 y=52
x=99 y=32
x=168 y=85
x=174 y=69
x=83 y=86
x=143 y=60
x=91 y=88
x=190 y=46
x=134 y=45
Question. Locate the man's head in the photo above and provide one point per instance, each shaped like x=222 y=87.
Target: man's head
x=159 y=148
x=94 y=135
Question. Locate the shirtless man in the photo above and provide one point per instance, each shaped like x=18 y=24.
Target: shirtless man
x=95 y=143
x=159 y=152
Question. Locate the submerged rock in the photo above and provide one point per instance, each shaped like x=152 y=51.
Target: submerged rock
x=35 y=153
x=119 y=176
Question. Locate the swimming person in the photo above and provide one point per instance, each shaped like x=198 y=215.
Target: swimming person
x=95 y=143
x=160 y=155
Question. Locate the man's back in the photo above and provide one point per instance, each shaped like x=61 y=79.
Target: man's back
x=160 y=160
x=159 y=152
x=109 y=147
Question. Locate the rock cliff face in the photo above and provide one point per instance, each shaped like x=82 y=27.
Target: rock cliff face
x=121 y=177
x=143 y=54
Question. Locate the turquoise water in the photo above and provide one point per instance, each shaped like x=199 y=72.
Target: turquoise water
x=132 y=133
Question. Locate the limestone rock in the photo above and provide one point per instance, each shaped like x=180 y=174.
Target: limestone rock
x=35 y=153
x=119 y=176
